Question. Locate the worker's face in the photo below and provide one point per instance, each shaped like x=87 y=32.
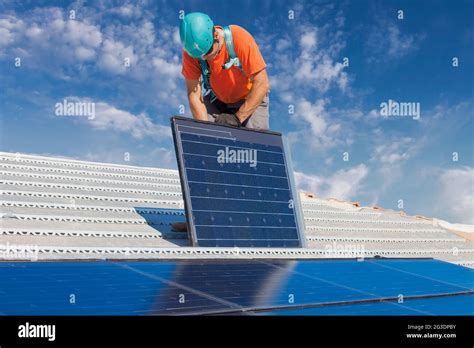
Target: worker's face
x=211 y=54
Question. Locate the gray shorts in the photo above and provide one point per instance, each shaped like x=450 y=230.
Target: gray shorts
x=258 y=120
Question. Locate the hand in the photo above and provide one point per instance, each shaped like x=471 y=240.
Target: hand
x=229 y=119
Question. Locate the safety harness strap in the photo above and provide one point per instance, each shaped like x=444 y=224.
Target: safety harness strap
x=233 y=61
x=229 y=42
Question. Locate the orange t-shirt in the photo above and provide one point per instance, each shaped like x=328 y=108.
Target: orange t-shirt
x=230 y=85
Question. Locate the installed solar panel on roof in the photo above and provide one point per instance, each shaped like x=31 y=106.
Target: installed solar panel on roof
x=443 y=305
x=237 y=186
x=283 y=287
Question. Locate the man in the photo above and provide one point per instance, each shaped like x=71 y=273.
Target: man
x=241 y=95
x=237 y=80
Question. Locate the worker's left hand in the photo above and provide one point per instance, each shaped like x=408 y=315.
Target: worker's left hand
x=229 y=119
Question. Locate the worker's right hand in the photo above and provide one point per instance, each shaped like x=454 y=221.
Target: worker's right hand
x=229 y=119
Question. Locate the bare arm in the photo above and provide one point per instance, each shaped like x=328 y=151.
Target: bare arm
x=196 y=102
x=260 y=87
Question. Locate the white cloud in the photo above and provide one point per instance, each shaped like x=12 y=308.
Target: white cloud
x=374 y=114
x=313 y=64
x=343 y=81
x=316 y=65
x=393 y=152
x=344 y=184
x=286 y=97
x=308 y=41
x=389 y=157
x=340 y=19
x=328 y=71
x=113 y=56
x=139 y=126
x=395 y=157
x=34 y=32
x=283 y=44
x=309 y=183
x=457 y=194
x=127 y=10
x=399 y=45
x=321 y=72
x=10 y=28
x=313 y=114
x=317 y=129
x=329 y=161
x=84 y=53
x=386 y=41
x=88 y=45
x=171 y=69
x=81 y=33
x=108 y=117
x=176 y=37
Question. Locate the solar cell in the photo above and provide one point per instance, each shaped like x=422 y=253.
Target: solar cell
x=280 y=287
x=237 y=186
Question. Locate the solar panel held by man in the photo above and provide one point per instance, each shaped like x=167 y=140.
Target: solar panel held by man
x=236 y=178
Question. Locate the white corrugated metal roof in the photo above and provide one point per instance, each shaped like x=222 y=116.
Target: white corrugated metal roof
x=70 y=209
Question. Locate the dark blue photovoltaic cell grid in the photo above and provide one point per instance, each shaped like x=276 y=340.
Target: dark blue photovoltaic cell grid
x=231 y=203
x=267 y=287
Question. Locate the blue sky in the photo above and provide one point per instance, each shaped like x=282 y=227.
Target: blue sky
x=336 y=107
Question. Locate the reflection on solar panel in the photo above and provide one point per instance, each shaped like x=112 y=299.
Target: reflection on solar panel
x=284 y=287
x=237 y=186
